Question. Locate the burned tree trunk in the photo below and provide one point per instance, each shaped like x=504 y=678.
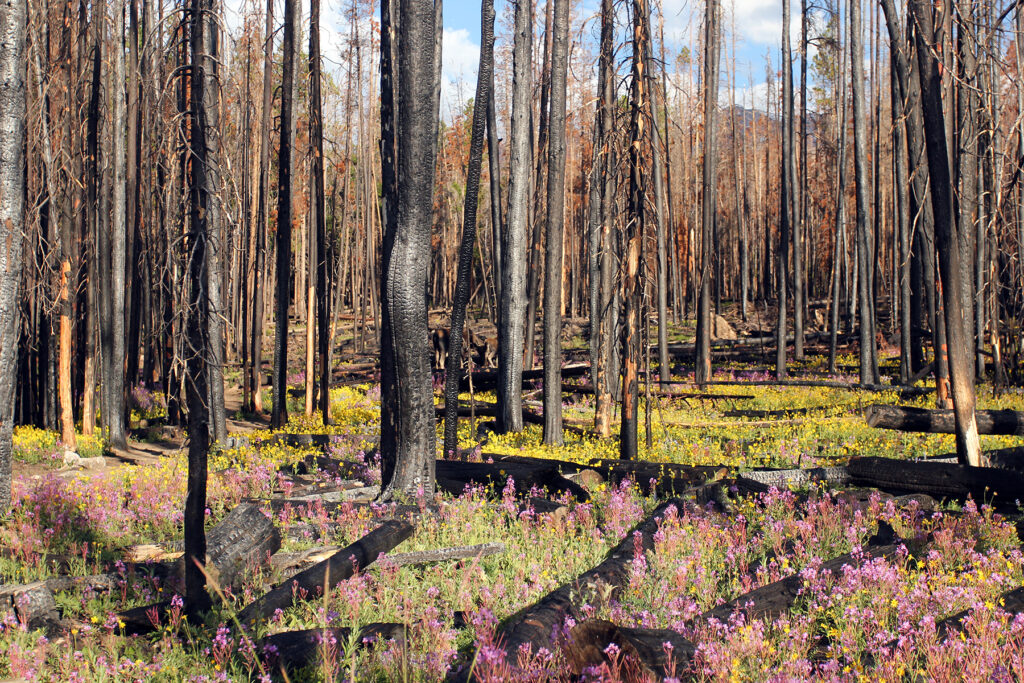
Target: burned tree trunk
x=968 y=447
x=407 y=406
x=708 y=193
x=513 y=251
x=279 y=416
x=453 y=364
x=13 y=17
x=555 y=221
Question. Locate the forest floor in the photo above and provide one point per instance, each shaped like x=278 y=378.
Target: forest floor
x=795 y=579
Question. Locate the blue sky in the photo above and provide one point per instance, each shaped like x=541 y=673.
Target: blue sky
x=758 y=27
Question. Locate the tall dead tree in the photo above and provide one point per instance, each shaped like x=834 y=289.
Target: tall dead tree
x=13 y=16
x=453 y=364
x=202 y=77
x=285 y=167
x=112 y=256
x=319 y=208
x=263 y=199
x=409 y=132
x=513 y=251
x=553 y=260
x=865 y=260
x=708 y=192
x=632 y=294
x=930 y=36
x=785 y=195
x=600 y=240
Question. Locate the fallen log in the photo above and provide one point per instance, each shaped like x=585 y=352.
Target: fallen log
x=761 y=414
x=483 y=381
x=454 y=476
x=32 y=603
x=938 y=479
x=1011 y=602
x=777 y=598
x=1000 y=458
x=245 y=538
x=658 y=478
x=760 y=481
x=1007 y=422
x=588 y=389
x=655 y=653
x=825 y=383
x=535 y=626
x=328 y=573
x=298 y=649
x=469 y=552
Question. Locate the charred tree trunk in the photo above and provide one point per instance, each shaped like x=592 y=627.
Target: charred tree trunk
x=13 y=18
x=513 y=251
x=260 y=241
x=200 y=199
x=407 y=406
x=555 y=221
x=453 y=365
x=868 y=357
x=708 y=193
x=968 y=447
x=785 y=195
x=279 y=415
x=323 y=291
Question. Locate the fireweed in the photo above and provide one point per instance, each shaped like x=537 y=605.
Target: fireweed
x=871 y=621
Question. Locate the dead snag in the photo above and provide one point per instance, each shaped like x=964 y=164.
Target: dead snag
x=536 y=625
x=1008 y=422
x=938 y=479
x=330 y=572
x=658 y=653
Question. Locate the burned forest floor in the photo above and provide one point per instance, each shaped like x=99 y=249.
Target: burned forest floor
x=767 y=532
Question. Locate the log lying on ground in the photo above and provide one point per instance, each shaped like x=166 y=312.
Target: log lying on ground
x=1011 y=602
x=469 y=552
x=777 y=598
x=453 y=477
x=297 y=649
x=1007 y=422
x=759 y=481
x=536 y=625
x=668 y=478
x=328 y=573
x=938 y=479
x=32 y=603
x=760 y=414
x=587 y=389
x=482 y=381
x=245 y=538
x=1000 y=458
x=642 y=650
x=825 y=383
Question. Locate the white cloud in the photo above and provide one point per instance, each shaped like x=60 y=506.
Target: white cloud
x=460 y=58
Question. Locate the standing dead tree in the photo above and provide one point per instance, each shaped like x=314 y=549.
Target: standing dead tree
x=409 y=138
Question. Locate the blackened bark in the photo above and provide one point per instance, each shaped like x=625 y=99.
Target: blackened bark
x=555 y=221
x=497 y=213
x=260 y=240
x=659 y=158
x=407 y=411
x=200 y=198
x=927 y=37
x=112 y=338
x=513 y=252
x=279 y=414
x=453 y=363
x=632 y=299
x=323 y=290
x=708 y=193
x=785 y=196
x=868 y=357
x=13 y=15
